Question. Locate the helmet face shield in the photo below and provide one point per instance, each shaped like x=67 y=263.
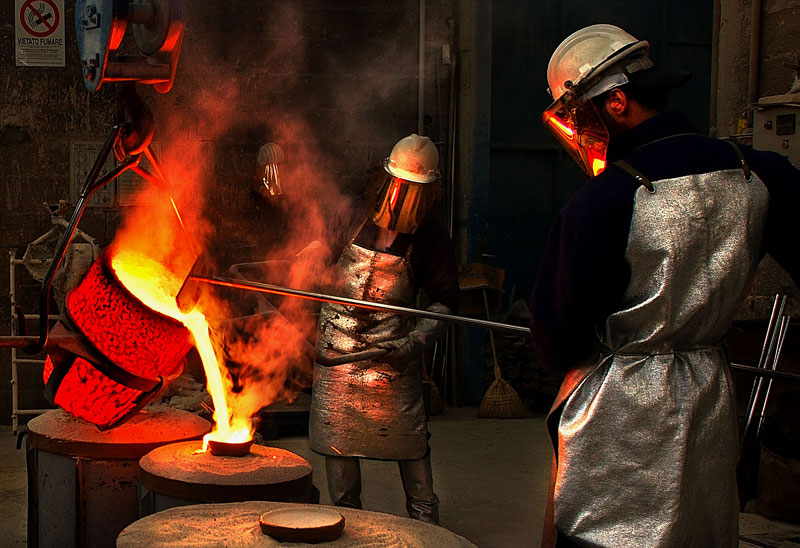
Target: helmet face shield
x=582 y=133
x=401 y=205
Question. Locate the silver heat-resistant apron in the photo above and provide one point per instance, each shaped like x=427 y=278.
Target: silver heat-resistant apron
x=647 y=433
x=367 y=408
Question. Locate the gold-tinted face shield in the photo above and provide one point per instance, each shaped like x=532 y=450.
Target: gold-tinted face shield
x=581 y=131
x=401 y=205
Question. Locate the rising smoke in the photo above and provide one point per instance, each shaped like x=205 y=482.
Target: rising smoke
x=278 y=78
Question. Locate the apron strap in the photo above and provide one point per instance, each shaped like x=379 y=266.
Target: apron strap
x=636 y=174
x=748 y=175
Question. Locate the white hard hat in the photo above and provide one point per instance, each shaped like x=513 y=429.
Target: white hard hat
x=270 y=153
x=414 y=158
x=588 y=53
x=268 y=180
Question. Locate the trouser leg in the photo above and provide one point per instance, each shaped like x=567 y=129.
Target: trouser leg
x=421 y=502
x=344 y=481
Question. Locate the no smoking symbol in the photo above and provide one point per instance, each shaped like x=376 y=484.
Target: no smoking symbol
x=39 y=17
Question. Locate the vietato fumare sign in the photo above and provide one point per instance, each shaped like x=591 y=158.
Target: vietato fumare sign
x=39 y=33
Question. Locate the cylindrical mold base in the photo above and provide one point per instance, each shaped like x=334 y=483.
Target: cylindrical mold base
x=180 y=474
x=82 y=481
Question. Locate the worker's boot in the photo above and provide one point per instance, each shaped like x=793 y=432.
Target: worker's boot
x=344 y=481
x=421 y=502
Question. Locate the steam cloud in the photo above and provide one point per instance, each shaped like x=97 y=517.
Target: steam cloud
x=229 y=97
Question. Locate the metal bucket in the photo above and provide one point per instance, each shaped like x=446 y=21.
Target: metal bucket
x=778 y=489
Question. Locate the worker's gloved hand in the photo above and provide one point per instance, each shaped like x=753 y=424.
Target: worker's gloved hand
x=424 y=334
x=403 y=349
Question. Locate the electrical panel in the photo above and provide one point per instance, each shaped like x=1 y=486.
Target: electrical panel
x=775 y=125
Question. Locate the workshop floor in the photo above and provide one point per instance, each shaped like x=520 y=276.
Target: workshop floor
x=490 y=475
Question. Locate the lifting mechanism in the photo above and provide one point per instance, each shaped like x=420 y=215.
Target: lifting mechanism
x=157 y=27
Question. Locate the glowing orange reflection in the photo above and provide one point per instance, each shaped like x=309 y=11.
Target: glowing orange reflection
x=395 y=192
x=598 y=166
x=562 y=127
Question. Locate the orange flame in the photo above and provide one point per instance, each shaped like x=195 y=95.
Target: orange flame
x=154 y=243
x=153 y=246
x=156 y=286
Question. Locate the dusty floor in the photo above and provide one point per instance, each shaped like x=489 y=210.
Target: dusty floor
x=490 y=475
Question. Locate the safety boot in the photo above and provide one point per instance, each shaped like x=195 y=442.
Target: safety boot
x=421 y=502
x=344 y=481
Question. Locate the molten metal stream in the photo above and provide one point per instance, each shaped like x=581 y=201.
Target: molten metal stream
x=156 y=287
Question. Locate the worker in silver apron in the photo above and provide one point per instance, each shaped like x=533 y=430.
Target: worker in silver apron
x=643 y=273
x=374 y=408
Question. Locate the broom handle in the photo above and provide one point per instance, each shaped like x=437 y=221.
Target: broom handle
x=497 y=373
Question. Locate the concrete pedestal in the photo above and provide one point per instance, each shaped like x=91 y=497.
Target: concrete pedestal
x=235 y=525
x=179 y=474
x=82 y=481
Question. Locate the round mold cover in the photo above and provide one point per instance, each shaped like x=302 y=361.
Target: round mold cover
x=302 y=524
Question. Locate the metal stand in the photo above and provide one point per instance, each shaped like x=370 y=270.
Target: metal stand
x=16 y=361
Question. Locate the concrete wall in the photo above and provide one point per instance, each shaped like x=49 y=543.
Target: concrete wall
x=778 y=45
x=335 y=83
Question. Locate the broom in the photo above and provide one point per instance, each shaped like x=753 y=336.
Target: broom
x=501 y=401
x=436 y=404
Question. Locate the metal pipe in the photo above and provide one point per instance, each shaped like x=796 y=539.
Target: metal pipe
x=768 y=373
x=23 y=341
x=766 y=349
x=421 y=72
x=781 y=336
x=753 y=64
x=452 y=318
x=278 y=290
x=712 y=110
x=12 y=284
x=770 y=341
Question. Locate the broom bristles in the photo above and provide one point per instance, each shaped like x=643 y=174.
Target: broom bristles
x=501 y=402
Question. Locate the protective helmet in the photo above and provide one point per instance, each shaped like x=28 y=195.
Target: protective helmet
x=414 y=158
x=587 y=63
x=409 y=189
x=268 y=181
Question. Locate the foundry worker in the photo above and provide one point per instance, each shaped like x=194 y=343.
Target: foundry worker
x=374 y=408
x=642 y=275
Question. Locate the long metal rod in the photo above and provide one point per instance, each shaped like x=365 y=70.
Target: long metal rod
x=768 y=373
x=766 y=350
x=473 y=322
x=12 y=283
x=278 y=290
x=781 y=336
